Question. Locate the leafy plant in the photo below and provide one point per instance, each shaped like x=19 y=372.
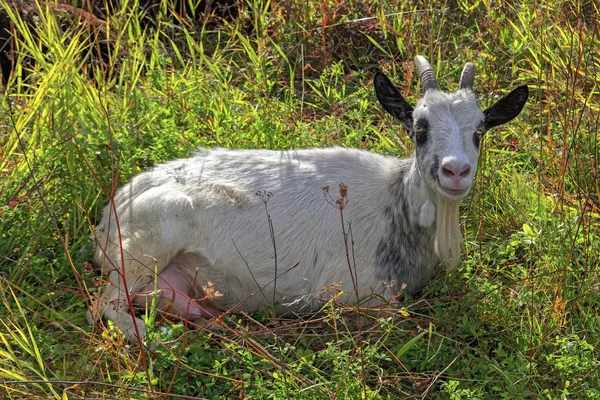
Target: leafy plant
x=518 y=319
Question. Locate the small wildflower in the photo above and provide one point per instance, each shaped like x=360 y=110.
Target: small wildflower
x=343 y=190
x=389 y=284
x=343 y=197
x=332 y=291
x=403 y=312
x=264 y=195
x=210 y=292
x=558 y=311
x=166 y=330
x=88 y=267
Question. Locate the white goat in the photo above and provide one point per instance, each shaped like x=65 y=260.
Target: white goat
x=199 y=224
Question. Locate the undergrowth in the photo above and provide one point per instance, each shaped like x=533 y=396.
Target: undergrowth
x=82 y=113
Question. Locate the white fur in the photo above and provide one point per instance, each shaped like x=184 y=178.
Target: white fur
x=453 y=118
x=427 y=214
x=208 y=205
x=448 y=239
x=205 y=218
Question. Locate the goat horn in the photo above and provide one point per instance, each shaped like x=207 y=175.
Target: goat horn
x=466 y=78
x=426 y=73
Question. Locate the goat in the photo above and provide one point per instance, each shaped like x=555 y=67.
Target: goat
x=189 y=228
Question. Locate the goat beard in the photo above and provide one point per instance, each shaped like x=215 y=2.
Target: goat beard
x=448 y=240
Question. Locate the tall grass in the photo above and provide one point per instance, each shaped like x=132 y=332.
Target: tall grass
x=519 y=319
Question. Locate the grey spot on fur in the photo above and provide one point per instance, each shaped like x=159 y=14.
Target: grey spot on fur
x=398 y=256
x=435 y=167
x=179 y=174
x=230 y=194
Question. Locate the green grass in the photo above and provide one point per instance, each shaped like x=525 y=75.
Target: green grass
x=518 y=319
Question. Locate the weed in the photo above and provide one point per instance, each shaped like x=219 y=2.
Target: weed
x=518 y=319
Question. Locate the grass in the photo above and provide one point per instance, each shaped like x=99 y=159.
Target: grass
x=79 y=117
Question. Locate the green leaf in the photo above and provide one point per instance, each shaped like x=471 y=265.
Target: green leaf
x=528 y=231
x=408 y=345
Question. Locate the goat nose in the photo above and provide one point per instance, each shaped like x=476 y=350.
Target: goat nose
x=456 y=169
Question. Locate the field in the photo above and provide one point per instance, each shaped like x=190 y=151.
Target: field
x=90 y=104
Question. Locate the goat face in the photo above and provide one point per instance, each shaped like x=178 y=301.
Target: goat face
x=447 y=128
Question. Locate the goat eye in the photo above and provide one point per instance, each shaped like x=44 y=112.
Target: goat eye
x=420 y=131
x=477 y=136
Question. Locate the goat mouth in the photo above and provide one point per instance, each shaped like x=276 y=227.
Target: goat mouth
x=454 y=192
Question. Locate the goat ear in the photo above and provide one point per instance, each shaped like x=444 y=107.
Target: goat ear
x=392 y=101
x=506 y=108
